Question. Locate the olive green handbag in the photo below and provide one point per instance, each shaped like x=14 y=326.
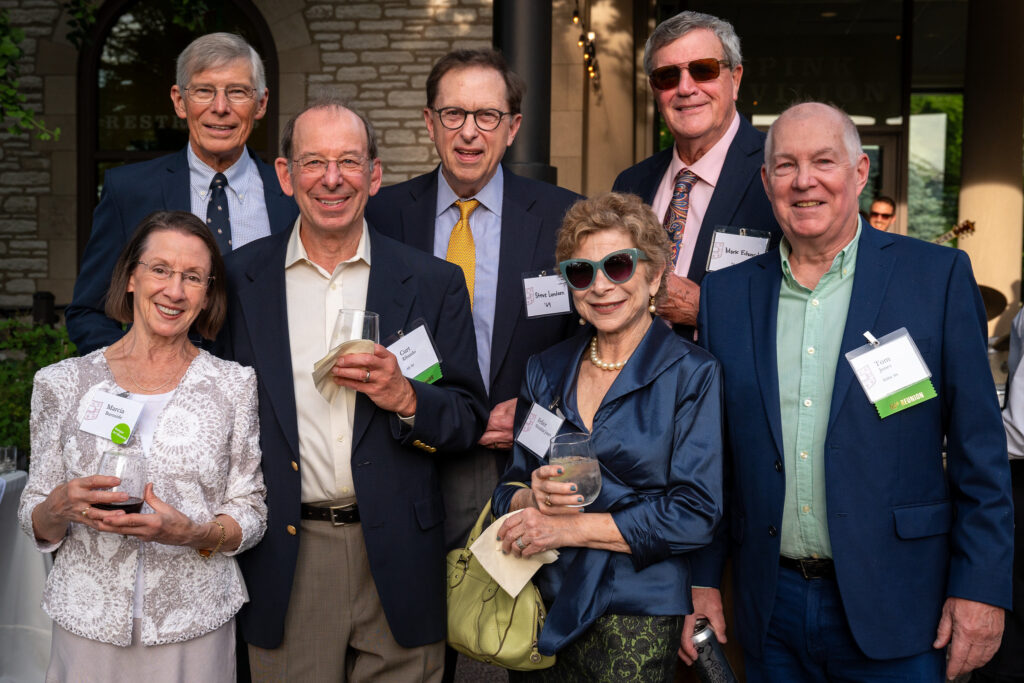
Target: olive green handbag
x=485 y=622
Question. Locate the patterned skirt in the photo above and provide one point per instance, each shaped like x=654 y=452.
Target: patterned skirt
x=616 y=648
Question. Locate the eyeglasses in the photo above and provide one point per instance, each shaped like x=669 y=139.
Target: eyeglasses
x=236 y=94
x=189 y=278
x=618 y=267
x=316 y=166
x=453 y=118
x=701 y=70
x=879 y=214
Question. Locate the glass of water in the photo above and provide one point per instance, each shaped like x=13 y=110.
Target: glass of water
x=579 y=465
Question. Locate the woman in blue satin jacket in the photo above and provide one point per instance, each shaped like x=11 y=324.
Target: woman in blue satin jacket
x=651 y=403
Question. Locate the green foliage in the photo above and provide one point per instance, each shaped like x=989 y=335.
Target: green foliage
x=190 y=14
x=933 y=197
x=81 y=19
x=13 y=112
x=24 y=349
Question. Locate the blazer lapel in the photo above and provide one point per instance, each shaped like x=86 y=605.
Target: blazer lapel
x=281 y=209
x=520 y=232
x=419 y=214
x=264 y=310
x=871 y=278
x=650 y=182
x=390 y=294
x=175 y=185
x=764 y=315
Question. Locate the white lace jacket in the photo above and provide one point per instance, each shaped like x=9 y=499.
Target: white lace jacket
x=204 y=461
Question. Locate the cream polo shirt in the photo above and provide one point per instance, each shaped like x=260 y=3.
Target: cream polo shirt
x=325 y=429
x=707 y=169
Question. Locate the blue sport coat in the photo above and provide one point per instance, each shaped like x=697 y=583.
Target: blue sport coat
x=130 y=193
x=739 y=200
x=906 y=532
x=394 y=467
x=531 y=214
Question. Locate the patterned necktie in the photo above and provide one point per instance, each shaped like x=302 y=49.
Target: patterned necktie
x=217 y=213
x=675 y=217
x=461 y=250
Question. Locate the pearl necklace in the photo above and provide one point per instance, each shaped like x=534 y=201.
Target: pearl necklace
x=596 y=360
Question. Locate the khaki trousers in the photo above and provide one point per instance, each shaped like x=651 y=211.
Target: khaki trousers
x=335 y=629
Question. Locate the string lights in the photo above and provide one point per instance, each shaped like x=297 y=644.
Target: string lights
x=586 y=41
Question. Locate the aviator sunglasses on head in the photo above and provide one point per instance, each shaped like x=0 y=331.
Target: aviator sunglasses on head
x=701 y=70
x=618 y=267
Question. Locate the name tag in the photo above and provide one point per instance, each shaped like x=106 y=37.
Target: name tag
x=545 y=295
x=417 y=355
x=730 y=246
x=538 y=429
x=892 y=372
x=110 y=416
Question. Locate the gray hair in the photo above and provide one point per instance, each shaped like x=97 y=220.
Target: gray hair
x=218 y=49
x=326 y=100
x=678 y=26
x=851 y=136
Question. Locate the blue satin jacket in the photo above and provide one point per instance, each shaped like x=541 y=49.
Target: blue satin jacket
x=658 y=435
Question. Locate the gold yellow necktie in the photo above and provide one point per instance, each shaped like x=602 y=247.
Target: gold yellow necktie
x=461 y=250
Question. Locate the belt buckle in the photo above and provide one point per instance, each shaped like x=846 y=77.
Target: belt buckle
x=804 y=565
x=340 y=508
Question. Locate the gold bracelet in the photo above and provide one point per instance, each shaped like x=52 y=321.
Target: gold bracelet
x=210 y=553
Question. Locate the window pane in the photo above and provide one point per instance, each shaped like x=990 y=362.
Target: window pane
x=936 y=132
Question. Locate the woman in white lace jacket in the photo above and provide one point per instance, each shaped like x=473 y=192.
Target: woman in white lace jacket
x=150 y=595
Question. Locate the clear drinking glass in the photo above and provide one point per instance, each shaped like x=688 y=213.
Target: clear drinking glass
x=131 y=470
x=579 y=465
x=8 y=459
x=357 y=330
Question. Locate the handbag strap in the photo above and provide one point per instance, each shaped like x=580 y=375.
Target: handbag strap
x=481 y=521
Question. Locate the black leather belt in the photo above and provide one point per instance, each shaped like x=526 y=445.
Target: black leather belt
x=338 y=515
x=809 y=567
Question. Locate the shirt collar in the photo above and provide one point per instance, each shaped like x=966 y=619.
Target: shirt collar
x=296 y=251
x=709 y=167
x=489 y=196
x=842 y=265
x=239 y=174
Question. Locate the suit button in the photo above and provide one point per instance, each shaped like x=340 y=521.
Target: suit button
x=417 y=443
x=295 y=466
x=778 y=465
x=432 y=449
x=772 y=531
x=291 y=530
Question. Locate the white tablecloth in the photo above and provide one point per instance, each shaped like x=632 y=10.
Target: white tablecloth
x=24 y=627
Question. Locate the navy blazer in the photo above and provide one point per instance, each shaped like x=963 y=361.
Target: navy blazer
x=393 y=467
x=905 y=532
x=130 y=193
x=531 y=215
x=658 y=436
x=738 y=201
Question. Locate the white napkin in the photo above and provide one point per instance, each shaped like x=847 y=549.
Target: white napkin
x=511 y=572
x=322 y=377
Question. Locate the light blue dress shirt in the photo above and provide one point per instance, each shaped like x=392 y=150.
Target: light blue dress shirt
x=485 y=224
x=247 y=207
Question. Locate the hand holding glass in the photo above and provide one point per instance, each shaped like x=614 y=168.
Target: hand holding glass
x=357 y=331
x=580 y=466
x=131 y=470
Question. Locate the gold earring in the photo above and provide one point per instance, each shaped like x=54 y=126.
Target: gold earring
x=651 y=307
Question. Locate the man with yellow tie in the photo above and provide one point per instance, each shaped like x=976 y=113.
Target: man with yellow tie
x=500 y=229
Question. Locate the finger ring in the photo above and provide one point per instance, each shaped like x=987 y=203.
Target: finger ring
x=547 y=500
x=84 y=511
x=519 y=542
x=367 y=378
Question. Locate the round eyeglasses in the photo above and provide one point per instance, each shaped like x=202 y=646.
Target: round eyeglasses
x=618 y=267
x=453 y=118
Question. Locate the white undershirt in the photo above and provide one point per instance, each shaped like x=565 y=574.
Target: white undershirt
x=152 y=406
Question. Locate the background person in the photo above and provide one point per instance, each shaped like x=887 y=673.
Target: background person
x=651 y=404
x=882 y=213
x=129 y=595
x=220 y=93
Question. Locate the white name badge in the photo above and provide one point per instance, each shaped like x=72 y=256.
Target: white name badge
x=110 y=416
x=538 y=429
x=892 y=372
x=730 y=246
x=417 y=356
x=545 y=295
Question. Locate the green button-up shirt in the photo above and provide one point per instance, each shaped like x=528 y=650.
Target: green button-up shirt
x=808 y=337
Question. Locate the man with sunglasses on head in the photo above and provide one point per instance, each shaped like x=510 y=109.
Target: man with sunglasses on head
x=220 y=93
x=709 y=178
x=500 y=229
x=882 y=214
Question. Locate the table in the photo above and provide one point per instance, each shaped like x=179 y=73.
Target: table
x=24 y=627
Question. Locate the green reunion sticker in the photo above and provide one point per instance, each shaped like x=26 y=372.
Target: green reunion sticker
x=120 y=433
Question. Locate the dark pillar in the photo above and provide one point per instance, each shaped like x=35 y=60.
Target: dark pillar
x=522 y=31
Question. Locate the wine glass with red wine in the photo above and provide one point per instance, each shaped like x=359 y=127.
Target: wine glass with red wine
x=131 y=470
